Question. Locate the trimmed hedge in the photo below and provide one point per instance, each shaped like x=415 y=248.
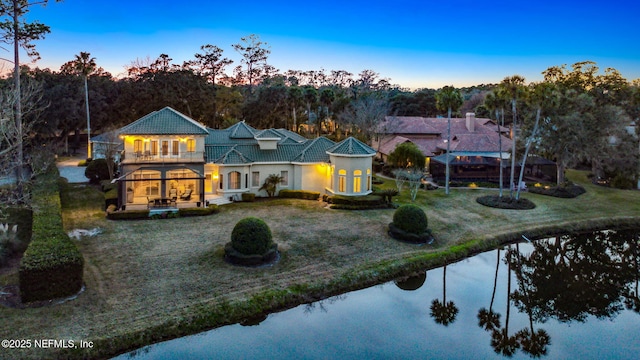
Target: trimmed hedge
x=197 y=211
x=300 y=194
x=128 y=215
x=248 y=197
x=111 y=198
x=370 y=200
x=52 y=265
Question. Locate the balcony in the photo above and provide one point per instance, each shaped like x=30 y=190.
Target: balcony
x=147 y=157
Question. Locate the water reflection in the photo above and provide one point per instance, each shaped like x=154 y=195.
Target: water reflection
x=545 y=298
x=411 y=283
x=566 y=278
x=444 y=312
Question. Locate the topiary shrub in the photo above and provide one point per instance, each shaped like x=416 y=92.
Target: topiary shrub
x=410 y=218
x=251 y=243
x=96 y=171
x=410 y=224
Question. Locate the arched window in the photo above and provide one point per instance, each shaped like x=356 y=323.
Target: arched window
x=234 y=180
x=342 y=180
x=357 y=181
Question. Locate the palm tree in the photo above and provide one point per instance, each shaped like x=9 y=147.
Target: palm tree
x=448 y=98
x=84 y=64
x=496 y=101
x=488 y=319
x=444 y=312
x=514 y=86
x=271 y=183
x=501 y=342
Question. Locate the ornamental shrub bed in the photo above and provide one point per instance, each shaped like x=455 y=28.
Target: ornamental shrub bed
x=251 y=243
x=52 y=265
x=299 y=194
x=569 y=191
x=506 y=202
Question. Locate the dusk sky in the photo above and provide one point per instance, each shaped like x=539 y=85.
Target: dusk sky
x=415 y=44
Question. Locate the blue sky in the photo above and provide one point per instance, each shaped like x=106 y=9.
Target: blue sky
x=415 y=44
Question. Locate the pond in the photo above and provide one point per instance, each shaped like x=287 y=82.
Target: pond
x=577 y=295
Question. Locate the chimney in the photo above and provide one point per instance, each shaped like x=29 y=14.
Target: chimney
x=471 y=121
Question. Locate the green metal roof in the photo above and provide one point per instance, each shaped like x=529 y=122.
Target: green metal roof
x=351 y=146
x=268 y=135
x=242 y=131
x=166 y=121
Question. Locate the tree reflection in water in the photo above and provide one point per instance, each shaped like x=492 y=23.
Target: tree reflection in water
x=444 y=312
x=566 y=278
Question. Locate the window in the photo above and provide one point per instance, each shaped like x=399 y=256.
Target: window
x=191 y=145
x=234 y=180
x=220 y=182
x=368 y=179
x=154 y=147
x=357 y=181
x=285 y=178
x=137 y=146
x=165 y=148
x=175 y=148
x=255 y=179
x=342 y=180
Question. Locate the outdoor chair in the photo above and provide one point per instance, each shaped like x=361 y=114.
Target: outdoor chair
x=186 y=195
x=173 y=193
x=150 y=203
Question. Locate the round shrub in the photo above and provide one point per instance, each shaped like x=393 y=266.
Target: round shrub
x=97 y=170
x=251 y=236
x=410 y=218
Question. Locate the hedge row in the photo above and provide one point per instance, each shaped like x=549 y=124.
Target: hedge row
x=568 y=192
x=52 y=265
x=144 y=214
x=367 y=200
x=299 y=194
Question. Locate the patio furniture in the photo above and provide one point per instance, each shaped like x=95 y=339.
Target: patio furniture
x=173 y=193
x=150 y=203
x=186 y=195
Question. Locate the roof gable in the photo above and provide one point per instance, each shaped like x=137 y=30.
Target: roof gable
x=352 y=147
x=241 y=131
x=166 y=121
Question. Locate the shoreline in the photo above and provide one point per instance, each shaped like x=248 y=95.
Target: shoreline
x=273 y=301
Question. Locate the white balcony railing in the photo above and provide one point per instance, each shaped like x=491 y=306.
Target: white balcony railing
x=148 y=157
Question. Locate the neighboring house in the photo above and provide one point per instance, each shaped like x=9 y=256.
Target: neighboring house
x=108 y=143
x=474 y=150
x=167 y=154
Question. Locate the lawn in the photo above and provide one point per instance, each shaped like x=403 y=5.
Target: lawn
x=154 y=278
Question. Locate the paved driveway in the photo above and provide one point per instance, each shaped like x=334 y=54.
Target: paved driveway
x=70 y=170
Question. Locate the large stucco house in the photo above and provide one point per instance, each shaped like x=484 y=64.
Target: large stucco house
x=171 y=157
x=474 y=151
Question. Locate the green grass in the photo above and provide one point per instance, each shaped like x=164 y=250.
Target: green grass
x=151 y=280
